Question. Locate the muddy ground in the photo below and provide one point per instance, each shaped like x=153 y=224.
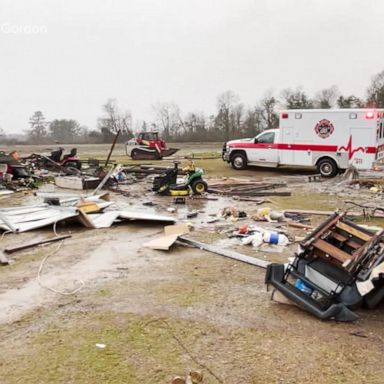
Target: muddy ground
x=160 y=313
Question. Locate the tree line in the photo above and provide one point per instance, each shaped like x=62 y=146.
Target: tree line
x=232 y=118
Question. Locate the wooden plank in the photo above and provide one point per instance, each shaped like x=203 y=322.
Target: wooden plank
x=353 y=231
x=353 y=244
x=339 y=237
x=225 y=252
x=35 y=243
x=299 y=225
x=331 y=250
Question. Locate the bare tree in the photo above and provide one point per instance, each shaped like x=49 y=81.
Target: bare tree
x=38 y=131
x=349 y=102
x=326 y=98
x=267 y=113
x=252 y=122
x=114 y=121
x=375 y=92
x=296 y=99
x=227 y=102
x=168 y=117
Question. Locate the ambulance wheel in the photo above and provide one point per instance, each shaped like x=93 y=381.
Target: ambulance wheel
x=327 y=168
x=199 y=187
x=239 y=161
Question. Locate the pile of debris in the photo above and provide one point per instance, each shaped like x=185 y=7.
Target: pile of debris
x=338 y=268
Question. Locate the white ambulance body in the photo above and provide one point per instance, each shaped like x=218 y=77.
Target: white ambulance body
x=328 y=139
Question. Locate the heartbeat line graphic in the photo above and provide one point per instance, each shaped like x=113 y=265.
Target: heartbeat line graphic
x=349 y=149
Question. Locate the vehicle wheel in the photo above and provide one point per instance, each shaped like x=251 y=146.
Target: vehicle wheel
x=134 y=154
x=73 y=164
x=327 y=168
x=199 y=187
x=73 y=170
x=238 y=161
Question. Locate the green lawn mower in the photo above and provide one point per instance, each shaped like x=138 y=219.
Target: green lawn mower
x=166 y=184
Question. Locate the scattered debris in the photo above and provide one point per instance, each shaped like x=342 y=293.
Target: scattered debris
x=316 y=177
x=233 y=212
x=77 y=182
x=149 y=203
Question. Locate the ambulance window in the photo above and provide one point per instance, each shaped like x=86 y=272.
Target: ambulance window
x=298 y=115
x=266 y=138
x=353 y=115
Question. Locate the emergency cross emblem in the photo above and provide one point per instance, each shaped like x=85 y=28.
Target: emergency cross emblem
x=324 y=128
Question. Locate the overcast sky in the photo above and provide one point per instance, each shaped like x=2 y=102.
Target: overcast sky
x=67 y=57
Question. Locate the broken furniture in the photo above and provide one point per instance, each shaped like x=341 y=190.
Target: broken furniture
x=331 y=274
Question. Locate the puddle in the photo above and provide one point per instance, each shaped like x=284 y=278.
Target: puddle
x=101 y=264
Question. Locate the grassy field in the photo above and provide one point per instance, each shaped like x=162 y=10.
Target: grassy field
x=160 y=314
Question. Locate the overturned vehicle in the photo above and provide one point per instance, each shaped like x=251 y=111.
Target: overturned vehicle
x=338 y=268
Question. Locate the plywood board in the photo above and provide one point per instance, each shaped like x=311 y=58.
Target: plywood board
x=177 y=229
x=162 y=243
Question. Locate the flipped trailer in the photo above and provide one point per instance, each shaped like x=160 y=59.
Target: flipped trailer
x=339 y=267
x=329 y=140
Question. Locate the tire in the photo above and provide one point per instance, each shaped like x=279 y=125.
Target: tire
x=134 y=154
x=327 y=167
x=73 y=164
x=73 y=170
x=199 y=187
x=239 y=161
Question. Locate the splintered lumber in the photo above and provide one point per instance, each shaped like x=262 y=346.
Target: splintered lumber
x=35 y=243
x=225 y=252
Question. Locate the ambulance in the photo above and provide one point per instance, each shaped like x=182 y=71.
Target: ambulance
x=327 y=139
